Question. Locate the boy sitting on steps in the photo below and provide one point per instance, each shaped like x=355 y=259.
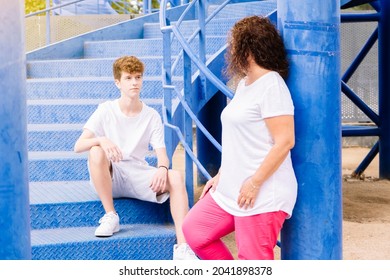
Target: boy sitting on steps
x=117 y=136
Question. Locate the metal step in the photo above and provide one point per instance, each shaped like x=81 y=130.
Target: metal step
x=61 y=204
x=132 y=242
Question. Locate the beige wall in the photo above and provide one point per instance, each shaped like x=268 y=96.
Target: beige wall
x=63 y=27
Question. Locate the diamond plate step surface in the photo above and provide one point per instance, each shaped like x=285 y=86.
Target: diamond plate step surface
x=60 y=204
x=62 y=94
x=132 y=242
x=87 y=88
x=63 y=166
x=64 y=111
x=144 y=47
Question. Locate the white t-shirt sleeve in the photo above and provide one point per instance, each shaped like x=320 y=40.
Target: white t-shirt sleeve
x=276 y=101
x=95 y=122
x=157 y=137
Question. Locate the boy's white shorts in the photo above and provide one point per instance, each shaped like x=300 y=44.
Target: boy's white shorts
x=133 y=180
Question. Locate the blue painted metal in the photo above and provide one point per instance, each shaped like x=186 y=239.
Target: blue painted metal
x=188 y=127
x=384 y=89
x=199 y=91
x=63 y=204
x=132 y=242
x=360 y=103
x=14 y=196
x=382 y=118
x=208 y=153
x=352 y=3
x=311 y=35
x=191 y=100
x=187 y=148
x=54 y=85
x=210 y=114
x=359 y=58
x=354 y=130
x=367 y=160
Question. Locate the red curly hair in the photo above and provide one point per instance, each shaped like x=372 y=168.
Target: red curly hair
x=129 y=64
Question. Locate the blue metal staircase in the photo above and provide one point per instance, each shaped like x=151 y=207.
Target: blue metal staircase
x=66 y=82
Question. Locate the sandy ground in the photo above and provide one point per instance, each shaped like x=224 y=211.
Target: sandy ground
x=366 y=209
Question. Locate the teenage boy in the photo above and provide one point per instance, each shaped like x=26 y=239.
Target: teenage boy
x=117 y=136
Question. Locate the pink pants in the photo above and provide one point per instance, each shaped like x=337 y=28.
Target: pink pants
x=256 y=236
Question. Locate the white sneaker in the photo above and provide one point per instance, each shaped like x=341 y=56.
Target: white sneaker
x=109 y=224
x=183 y=252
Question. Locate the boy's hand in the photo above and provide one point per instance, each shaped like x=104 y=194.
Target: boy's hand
x=159 y=182
x=112 y=151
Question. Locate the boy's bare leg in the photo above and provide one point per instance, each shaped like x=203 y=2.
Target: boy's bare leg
x=99 y=168
x=179 y=202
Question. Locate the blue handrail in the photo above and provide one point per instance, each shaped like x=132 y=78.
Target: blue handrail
x=171 y=32
x=53 y=8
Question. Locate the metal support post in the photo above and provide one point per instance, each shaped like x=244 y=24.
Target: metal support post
x=14 y=197
x=310 y=29
x=384 y=89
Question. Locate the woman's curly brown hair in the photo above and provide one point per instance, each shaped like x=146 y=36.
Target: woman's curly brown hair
x=258 y=37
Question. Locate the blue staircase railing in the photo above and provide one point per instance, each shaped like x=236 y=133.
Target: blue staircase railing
x=190 y=106
x=190 y=101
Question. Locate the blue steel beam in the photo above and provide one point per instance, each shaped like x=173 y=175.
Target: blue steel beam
x=352 y=3
x=359 y=58
x=14 y=199
x=384 y=89
x=360 y=103
x=311 y=32
x=362 y=130
x=366 y=161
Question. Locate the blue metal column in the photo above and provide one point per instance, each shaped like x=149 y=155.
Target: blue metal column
x=384 y=88
x=14 y=199
x=310 y=29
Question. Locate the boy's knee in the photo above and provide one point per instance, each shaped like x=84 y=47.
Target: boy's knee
x=96 y=155
x=175 y=178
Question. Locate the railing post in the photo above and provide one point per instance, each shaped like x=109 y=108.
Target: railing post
x=384 y=88
x=188 y=126
x=14 y=197
x=147 y=6
x=310 y=29
x=208 y=155
x=167 y=66
x=48 y=39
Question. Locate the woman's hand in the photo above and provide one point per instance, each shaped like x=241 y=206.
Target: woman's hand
x=248 y=194
x=210 y=185
x=159 y=182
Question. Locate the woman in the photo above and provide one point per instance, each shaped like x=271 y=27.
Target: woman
x=255 y=189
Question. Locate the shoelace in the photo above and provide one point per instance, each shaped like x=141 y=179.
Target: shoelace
x=104 y=218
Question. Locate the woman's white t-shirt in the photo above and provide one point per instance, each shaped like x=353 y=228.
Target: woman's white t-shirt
x=246 y=141
x=131 y=134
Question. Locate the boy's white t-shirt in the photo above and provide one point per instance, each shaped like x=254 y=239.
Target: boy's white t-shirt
x=131 y=134
x=245 y=143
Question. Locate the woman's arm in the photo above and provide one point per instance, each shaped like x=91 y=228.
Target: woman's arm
x=282 y=132
x=281 y=129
